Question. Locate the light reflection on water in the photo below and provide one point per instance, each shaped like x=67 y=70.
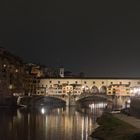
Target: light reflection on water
x=48 y=124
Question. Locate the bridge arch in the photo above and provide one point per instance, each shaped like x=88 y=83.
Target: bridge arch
x=93 y=97
x=41 y=100
x=94 y=89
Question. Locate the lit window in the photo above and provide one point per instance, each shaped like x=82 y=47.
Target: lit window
x=4 y=65
x=16 y=70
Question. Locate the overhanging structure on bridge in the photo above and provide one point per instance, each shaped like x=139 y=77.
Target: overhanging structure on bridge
x=75 y=86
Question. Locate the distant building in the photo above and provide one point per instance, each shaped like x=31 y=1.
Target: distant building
x=72 y=75
x=35 y=69
x=61 y=72
x=54 y=72
x=33 y=72
x=11 y=74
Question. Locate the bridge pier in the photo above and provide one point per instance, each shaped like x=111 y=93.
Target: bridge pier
x=70 y=101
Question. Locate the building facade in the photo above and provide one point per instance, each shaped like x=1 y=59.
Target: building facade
x=33 y=72
x=63 y=86
x=11 y=74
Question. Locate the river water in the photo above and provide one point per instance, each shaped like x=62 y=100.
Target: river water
x=48 y=123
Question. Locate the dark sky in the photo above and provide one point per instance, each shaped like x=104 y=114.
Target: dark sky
x=98 y=37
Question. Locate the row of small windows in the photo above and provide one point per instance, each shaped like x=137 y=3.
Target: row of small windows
x=85 y=82
x=76 y=82
x=114 y=92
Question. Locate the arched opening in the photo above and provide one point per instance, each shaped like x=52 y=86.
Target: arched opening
x=103 y=90
x=94 y=90
x=48 y=101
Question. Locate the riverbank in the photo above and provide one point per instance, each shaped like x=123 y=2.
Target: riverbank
x=8 y=102
x=112 y=128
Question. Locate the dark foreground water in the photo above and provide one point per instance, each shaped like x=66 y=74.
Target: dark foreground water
x=48 y=124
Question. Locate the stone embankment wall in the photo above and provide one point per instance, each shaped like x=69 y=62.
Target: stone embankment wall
x=135 y=107
x=8 y=101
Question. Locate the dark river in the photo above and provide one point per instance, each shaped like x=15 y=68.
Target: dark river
x=48 y=124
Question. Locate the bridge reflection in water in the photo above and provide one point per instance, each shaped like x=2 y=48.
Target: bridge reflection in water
x=48 y=123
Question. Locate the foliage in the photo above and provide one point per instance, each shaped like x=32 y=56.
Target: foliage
x=112 y=128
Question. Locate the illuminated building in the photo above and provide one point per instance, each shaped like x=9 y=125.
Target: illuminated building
x=11 y=74
x=32 y=74
x=119 y=90
x=109 y=86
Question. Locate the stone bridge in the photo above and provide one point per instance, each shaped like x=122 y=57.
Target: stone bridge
x=72 y=90
x=70 y=99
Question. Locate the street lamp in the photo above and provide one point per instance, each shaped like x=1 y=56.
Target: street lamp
x=11 y=87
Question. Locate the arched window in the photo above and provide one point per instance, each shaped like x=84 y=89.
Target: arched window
x=103 y=90
x=94 y=89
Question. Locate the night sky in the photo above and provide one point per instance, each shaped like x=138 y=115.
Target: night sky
x=97 y=37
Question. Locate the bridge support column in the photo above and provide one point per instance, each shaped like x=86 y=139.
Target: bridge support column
x=70 y=101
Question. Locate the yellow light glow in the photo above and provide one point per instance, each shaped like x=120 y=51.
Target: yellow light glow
x=4 y=65
x=16 y=70
x=42 y=110
x=10 y=86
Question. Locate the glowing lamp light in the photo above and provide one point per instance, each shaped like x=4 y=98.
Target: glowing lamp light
x=4 y=65
x=83 y=87
x=10 y=86
x=129 y=101
x=43 y=111
x=135 y=91
x=16 y=70
x=131 y=90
